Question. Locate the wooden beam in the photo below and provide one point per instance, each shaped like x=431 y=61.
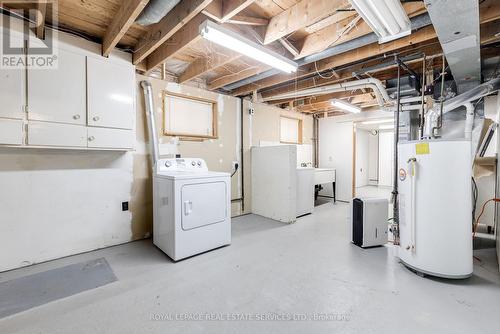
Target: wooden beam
x=301 y=15
x=232 y=7
x=233 y=77
x=158 y=33
x=208 y=63
x=224 y=10
x=185 y=37
x=331 y=35
x=289 y=46
x=248 y=20
x=347 y=74
x=214 y=10
x=371 y=50
x=325 y=100
x=41 y=7
x=123 y=19
x=490 y=32
x=489 y=11
x=332 y=19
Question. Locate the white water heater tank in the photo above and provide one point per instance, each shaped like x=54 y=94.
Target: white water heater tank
x=435 y=206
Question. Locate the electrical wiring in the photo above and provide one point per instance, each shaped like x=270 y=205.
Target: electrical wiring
x=496 y=200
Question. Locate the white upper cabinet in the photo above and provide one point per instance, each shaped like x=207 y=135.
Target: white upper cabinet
x=59 y=95
x=111 y=94
x=12 y=88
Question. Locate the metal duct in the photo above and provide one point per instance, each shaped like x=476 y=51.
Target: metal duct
x=457 y=27
x=370 y=83
x=155 y=11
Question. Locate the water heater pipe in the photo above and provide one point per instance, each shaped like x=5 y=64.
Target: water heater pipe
x=153 y=137
x=469 y=120
x=433 y=115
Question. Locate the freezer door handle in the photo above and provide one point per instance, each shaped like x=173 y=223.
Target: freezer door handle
x=188 y=208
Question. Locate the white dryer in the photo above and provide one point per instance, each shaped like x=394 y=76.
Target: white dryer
x=192 y=207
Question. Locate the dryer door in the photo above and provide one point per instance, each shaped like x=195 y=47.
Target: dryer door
x=203 y=204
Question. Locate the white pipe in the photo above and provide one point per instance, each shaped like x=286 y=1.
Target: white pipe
x=153 y=137
x=469 y=120
x=432 y=116
x=369 y=83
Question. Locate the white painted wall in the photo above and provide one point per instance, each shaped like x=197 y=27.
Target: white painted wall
x=386 y=158
x=362 y=157
x=336 y=151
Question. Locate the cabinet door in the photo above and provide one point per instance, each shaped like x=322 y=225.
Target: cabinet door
x=59 y=95
x=12 y=88
x=56 y=134
x=110 y=138
x=11 y=131
x=111 y=94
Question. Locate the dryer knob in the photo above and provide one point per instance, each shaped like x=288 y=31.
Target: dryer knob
x=193 y=163
x=168 y=164
x=199 y=163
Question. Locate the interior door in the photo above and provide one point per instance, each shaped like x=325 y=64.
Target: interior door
x=203 y=204
x=59 y=95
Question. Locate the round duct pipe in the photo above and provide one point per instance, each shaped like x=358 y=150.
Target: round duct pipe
x=155 y=11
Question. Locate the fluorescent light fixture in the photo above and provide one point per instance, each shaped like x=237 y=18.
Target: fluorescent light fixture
x=387 y=18
x=386 y=127
x=345 y=106
x=231 y=40
x=378 y=121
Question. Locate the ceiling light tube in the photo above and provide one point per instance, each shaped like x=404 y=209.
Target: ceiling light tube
x=387 y=18
x=231 y=40
x=345 y=106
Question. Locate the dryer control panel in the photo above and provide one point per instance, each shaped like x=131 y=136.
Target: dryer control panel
x=182 y=165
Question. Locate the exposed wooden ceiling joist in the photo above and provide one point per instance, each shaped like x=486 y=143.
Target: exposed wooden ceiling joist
x=183 y=38
x=346 y=74
x=371 y=50
x=127 y=14
x=208 y=62
x=229 y=78
x=299 y=16
x=489 y=11
x=160 y=32
x=332 y=35
x=248 y=20
x=224 y=10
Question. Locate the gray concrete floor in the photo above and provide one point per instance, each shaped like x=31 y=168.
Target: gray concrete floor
x=309 y=267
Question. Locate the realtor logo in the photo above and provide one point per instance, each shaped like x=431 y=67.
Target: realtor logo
x=25 y=42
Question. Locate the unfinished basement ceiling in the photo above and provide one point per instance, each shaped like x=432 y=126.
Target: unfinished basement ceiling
x=328 y=39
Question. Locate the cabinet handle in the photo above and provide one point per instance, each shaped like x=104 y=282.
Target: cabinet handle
x=96 y=118
x=76 y=116
x=91 y=138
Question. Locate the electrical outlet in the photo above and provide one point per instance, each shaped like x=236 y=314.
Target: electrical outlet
x=235 y=166
x=124 y=206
